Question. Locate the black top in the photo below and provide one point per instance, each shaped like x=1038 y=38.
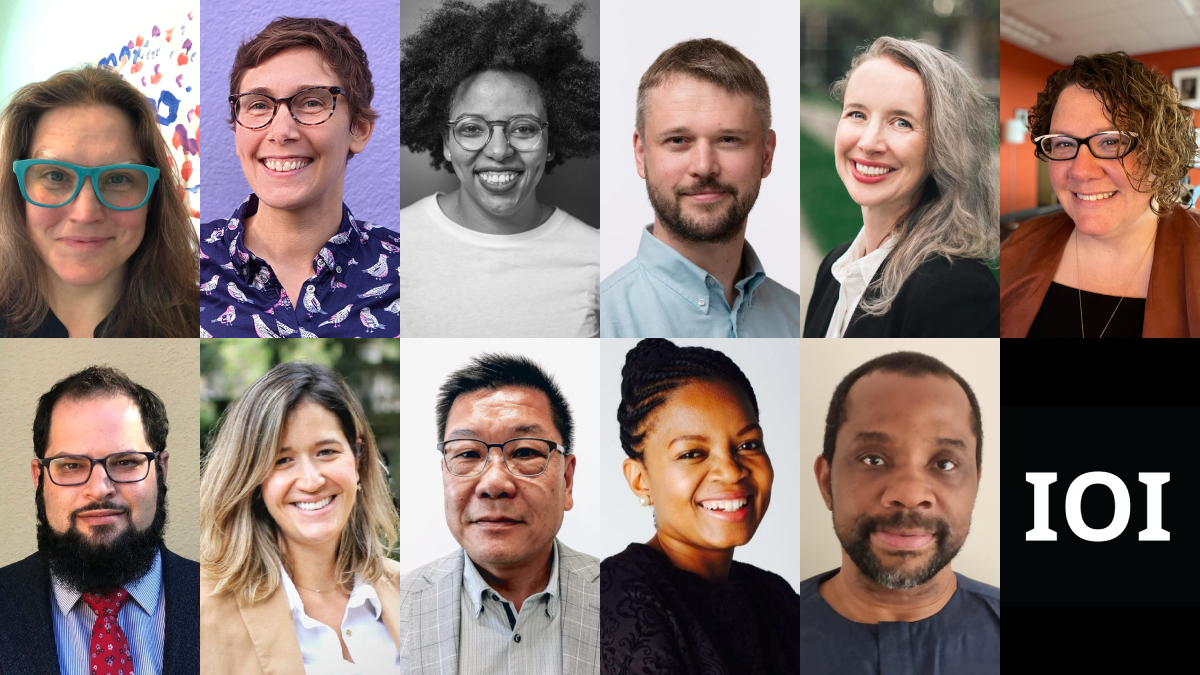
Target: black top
x=656 y=619
x=1058 y=316
x=52 y=328
x=941 y=298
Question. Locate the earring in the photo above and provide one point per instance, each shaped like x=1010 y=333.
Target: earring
x=643 y=501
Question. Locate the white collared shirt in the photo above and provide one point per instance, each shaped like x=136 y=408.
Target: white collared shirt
x=367 y=639
x=854 y=272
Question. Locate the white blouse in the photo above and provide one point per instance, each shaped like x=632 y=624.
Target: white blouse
x=367 y=639
x=854 y=272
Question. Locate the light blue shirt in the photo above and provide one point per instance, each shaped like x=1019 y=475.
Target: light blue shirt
x=143 y=619
x=660 y=293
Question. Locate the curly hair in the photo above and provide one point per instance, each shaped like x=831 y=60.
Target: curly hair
x=459 y=40
x=653 y=369
x=1140 y=101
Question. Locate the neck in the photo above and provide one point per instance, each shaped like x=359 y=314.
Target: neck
x=465 y=211
x=712 y=565
x=878 y=222
x=860 y=599
x=82 y=308
x=312 y=567
x=723 y=260
x=519 y=581
x=294 y=237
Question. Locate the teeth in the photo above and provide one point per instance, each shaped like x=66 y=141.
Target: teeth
x=498 y=177
x=292 y=165
x=313 y=506
x=724 y=504
x=872 y=170
x=1092 y=198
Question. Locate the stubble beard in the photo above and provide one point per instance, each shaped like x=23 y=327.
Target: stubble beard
x=721 y=227
x=856 y=542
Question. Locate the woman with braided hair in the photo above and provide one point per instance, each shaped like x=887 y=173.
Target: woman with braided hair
x=696 y=453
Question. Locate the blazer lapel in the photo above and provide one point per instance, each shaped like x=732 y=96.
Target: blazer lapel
x=269 y=624
x=579 y=581
x=181 y=643
x=435 y=618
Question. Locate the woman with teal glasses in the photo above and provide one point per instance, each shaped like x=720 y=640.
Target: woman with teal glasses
x=94 y=233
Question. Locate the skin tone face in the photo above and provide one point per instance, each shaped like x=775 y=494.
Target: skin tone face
x=881 y=141
x=498 y=183
x=904 y=470
x=98 y=427
x=705 y=469
x=507 y=523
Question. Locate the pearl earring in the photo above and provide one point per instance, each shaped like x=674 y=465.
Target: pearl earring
x=643 y=501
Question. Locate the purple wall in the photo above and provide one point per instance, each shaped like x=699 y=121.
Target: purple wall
x=373 y=177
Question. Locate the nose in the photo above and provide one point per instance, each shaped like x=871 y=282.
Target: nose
x=703 y=159
x=497 y=147
x=908 y=487
x=495 y=482
x=725 y=467
x=284 y=127
x=1085 y=165
x=872 y=141
x=311 y=479
x=99 y=486
x=87 y=207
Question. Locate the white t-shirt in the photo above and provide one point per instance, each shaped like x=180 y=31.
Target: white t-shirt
x=455 y=282
x=854 y=271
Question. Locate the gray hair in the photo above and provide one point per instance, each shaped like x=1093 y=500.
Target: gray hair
x=958 y=213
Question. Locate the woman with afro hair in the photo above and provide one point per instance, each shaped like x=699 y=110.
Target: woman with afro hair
x=498 y=94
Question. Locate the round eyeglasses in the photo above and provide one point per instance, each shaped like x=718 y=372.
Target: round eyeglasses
x=51 y=184
x=308 y=106
x=1104 y=145
x=122 y=467
x=524 y=457
x=522 y=133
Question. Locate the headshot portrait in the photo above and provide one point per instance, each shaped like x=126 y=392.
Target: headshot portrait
x=899 y=467
x=297 y=516
x=688 y=112
x=306 y=128
x=704 y=441
x=505 y=575
x=500 y=120
x=95 y=577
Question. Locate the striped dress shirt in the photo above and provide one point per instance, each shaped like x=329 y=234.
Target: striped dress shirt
x=143 y=621
x=497 y=640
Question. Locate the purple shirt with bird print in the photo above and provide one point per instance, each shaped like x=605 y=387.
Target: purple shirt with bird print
x=353 y=292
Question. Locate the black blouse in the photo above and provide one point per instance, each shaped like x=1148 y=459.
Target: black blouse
x=52 y=328
x=656 y=619
x=1058 y=316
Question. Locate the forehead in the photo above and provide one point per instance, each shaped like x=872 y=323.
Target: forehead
x=682 y=101
x=497 y=95
x=84 y=135
x=287 y=72
x=309 y=417
x=903 y=406
x=1079 y=111
x=881 y=83
x=502 y=411
x=703 y=403
x=96 y=425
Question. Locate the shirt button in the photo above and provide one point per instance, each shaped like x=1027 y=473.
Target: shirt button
x=339 y=269
x=347 y=632
x=311 y=289
x=710 y=281
x=701 y=302
x=517 y=637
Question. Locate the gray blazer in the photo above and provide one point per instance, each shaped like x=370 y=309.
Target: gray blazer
x=429 y=617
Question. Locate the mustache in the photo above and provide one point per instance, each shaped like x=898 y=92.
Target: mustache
x=864 y=526
x=706 y=184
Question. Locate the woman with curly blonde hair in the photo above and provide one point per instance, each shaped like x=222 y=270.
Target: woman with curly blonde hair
x=1123 y=242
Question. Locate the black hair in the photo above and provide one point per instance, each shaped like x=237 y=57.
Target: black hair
x=913 y=364
x=460 y=39
x=100 y=381
x=493 y=371
x=653 y=369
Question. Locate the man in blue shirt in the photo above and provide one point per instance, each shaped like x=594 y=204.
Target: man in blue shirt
x=703 y=144
x=899 y=470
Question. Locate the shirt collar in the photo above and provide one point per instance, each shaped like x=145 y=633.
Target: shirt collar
x=690 y=280
x=362 y=594
x=144 y=590
x=477 y=588
x=334 y=256
x=854 y=266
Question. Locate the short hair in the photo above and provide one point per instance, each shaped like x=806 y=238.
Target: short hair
x=95 y=382
x=492 y=371
x=654 y=368
x=333 y=41
x=460 y=39
x=912 y=364
x=1139 y=101
x=238 y=536
x=711 y=61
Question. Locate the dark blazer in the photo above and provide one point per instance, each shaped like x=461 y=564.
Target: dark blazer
x=941 y=298
x=27 y=630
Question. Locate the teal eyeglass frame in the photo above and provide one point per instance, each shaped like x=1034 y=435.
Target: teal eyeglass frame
x=82 y=172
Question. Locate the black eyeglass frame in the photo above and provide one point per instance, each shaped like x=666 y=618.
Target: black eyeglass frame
x=491 y=125
x=566 y=452
x=103 y=461
x=1042 y=154
x=233 y=99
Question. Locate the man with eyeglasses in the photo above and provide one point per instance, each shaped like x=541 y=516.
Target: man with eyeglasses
x=102 y=596
x=514 y=599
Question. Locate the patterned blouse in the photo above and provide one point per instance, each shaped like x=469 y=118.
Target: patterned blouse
x=353 y=292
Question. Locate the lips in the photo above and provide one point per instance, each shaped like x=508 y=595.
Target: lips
x=870 y=172
x=99 y=516
x=314 y=505
x=285 y=165
x=83 y=243
x=1094 y=196
x=498 y=180
x=497 y=522
x=905 y=540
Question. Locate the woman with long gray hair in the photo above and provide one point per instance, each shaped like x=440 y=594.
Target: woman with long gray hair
x=912 y=149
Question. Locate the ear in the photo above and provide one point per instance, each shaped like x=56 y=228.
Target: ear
x=822 y=470
x=635 y=475
x=162 y=461
x=35 y=468
x=568 y=483
x=360 y=133
x=639 y=155
x=768 y=153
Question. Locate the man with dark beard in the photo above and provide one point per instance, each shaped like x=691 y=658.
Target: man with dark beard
x=703 y=144
x=102 y=595
x=900 y=469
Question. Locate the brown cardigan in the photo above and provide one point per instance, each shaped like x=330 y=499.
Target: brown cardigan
x=1030 y=256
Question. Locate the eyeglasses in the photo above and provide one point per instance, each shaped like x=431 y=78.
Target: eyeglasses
x=308 y=106
x=524 y=457
x=122 y=467
x=51 y=184
x=473 y=133
x=1104 y=145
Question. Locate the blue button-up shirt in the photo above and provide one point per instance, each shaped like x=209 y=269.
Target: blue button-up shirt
x=660 y=293
x=353 y=292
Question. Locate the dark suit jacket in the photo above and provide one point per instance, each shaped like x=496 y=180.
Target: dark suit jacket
x=941 y=298
x=27 y=631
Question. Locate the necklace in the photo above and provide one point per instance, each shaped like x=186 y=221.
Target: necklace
x=1078 y=274
x=309 y=589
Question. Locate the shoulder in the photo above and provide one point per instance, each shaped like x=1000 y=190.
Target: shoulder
x=625 y=277
x=988 y=593
x=765 y=580
x=420 y=208
x=636 y=565
x=178 y=564
x=575 y=228
x=430 y=574
x=778 y=291
x=810 y=587
x=1036 y=232
x=964 y=274
x=23 y=572
x=582 y=564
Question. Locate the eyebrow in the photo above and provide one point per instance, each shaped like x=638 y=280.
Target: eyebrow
x=684 y=131
x=48 y=154
x=267 y=90
x=894 y=111
x=326 y=441
x=473 y=434
x=1097 y=130
x=881 y=437
x=753 y=426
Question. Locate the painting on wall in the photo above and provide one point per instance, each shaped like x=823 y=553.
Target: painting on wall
x=1187 y=83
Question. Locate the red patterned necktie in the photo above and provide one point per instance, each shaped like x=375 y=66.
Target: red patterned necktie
x=110 y=650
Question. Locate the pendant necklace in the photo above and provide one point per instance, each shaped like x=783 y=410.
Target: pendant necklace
x=1078 y=273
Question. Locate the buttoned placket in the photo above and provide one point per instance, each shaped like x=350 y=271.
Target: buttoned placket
x=538 y=609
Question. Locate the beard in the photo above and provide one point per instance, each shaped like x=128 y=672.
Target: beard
x=857 y=544
x=84 y=566
x=723 y=225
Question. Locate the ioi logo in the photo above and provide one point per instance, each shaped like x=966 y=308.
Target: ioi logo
x=1041 y=506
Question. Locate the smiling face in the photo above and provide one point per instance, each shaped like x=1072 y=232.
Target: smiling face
x=703 y=155
x=706 y=468
x=311 y=489
x=1095 y=193
x=881 y=141
x=903 y=479
x=504 y=521
x=85 y=242
x=292 y=166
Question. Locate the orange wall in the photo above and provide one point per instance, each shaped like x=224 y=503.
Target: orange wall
x=1165 y=62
